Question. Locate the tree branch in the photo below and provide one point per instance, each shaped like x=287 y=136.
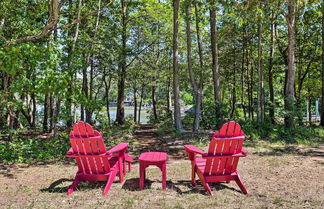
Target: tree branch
x=53 y=20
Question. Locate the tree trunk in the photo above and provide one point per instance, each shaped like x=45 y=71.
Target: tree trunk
x=201 y=63
x=213 y=37
x=248 y=80
x=242 y=70
x=52 y=99
x=55 y=116
x=260 y=71
x=89 y=109
x=197 y=91
x=168 y=94
x=120 y=117
x=271 y=90
x=322 y=103
x=154 y=102
x=177 y=115
x=46 y=112
x=51 y=112
x=309 y=110
x=8 y=96
x=107 y=88
x=33 y=110
x=135 y=104
x=289 y=91
x=69 y=66
x=251 y=86
x=234 y=88
x=140 y=105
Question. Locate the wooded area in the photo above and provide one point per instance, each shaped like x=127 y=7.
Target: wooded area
x=65 y=61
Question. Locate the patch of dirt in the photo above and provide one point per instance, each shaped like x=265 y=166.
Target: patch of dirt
x=291 y=179
x=149 y=141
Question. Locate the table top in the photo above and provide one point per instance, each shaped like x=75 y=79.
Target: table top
x=153 y=156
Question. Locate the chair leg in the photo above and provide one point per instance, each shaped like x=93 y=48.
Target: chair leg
x=71 y=189
x=109 y=182
x=129 y=166
x=121 y=172
x=124 y=167
x=240 y=184
x=204 y=183
x=193 y=176
x=207 y=187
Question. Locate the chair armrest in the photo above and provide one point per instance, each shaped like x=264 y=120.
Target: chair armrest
x=128 y=158
x=216 y=134
x=70 y=152
x=193 y=149
x=118 y=148
x=244 y=152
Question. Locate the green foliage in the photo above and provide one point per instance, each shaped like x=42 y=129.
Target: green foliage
x=187 y=98
x=213 y=114
x=23 y=150
x=115 y=134
x=166 y=126
x=255 y=131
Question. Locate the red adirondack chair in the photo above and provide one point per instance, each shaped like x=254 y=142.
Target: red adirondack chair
x=220 y=163
x=94 y=162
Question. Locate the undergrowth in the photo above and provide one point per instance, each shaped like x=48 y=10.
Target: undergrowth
x=26 y=149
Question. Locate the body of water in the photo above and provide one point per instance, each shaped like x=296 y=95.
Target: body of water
x=130 y=111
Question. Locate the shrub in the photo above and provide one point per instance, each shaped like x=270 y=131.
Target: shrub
x=213 y=114
x=34 y=149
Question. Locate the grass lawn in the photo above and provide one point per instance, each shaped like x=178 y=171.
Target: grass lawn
x=274 y=181
x=276 y=176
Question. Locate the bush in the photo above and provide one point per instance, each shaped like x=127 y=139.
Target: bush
x=166 y=127
x=29 y=150
x=255 y=130
x=213 y=114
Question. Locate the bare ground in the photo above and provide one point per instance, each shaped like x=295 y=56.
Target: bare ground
x=284 y=177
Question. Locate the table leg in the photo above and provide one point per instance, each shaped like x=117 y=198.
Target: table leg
x=142 y=176
x=163 y=175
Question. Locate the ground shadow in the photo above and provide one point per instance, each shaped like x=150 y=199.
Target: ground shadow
x=198 y=188
x=56 y=187
x=292 y=150
x=10 y=170
x=149 y=141
x=133 y=185
x=6 y=170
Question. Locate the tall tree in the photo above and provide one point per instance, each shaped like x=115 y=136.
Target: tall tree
x=177 y=120
x=196 y=88
x=260 y=71
x=271 y=54
x=290 y=76
x=322 y=103
x=120 y=117
x=214 y=49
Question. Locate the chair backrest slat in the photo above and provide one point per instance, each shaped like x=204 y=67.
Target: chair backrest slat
x=223 y=143
x=88 y=143
x=90 y=131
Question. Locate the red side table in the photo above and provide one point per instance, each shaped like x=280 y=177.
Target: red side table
x=152 y=158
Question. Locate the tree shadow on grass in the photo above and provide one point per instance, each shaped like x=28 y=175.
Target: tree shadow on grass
x=133 y=185
x=293 y=150
x=215 y=186
x=10 y=170
x=57 y=187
